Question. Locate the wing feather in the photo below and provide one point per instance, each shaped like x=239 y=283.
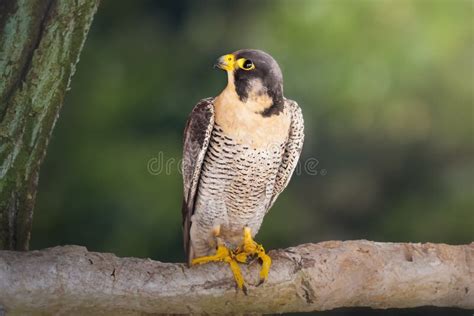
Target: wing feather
x=197 y=134
x=292 y=150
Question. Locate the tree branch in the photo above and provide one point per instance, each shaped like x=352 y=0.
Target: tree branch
x=305 y=278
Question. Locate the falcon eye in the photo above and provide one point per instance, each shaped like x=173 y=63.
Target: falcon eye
x=248 y=64
x=245 y=64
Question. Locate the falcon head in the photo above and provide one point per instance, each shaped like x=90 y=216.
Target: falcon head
x=256 y=77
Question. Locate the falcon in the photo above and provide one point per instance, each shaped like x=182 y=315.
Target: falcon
x=240 y=150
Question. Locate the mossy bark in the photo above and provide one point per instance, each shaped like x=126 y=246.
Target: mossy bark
x=40 y=43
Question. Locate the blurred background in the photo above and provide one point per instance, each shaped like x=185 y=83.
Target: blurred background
x=386 y=89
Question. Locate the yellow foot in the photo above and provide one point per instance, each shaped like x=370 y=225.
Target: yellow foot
x=224 y=254
x=251 y=249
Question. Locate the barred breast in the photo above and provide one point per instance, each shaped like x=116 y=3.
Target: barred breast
x=235 y=188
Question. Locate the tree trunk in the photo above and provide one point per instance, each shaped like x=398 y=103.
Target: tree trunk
x=40 y=42
x=72 y=281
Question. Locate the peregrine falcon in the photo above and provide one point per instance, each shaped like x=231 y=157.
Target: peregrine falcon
x=240 y=150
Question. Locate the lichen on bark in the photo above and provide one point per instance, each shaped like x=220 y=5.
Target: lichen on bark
x=40 y=43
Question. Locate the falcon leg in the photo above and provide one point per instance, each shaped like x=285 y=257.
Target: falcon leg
x=239 y=279
x=251 y=249
x=221 y=254
x=225 y=255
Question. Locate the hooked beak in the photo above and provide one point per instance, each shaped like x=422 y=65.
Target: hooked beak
x=226 y=62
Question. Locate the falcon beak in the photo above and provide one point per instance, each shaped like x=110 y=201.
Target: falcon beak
x=226 y=62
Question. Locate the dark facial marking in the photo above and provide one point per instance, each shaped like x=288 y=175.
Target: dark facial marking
x=267 y=70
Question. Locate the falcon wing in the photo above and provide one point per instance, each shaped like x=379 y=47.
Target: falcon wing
x=292 y=150
x=196 y=140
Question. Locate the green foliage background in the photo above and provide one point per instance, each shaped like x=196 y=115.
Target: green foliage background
x=386 y=88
